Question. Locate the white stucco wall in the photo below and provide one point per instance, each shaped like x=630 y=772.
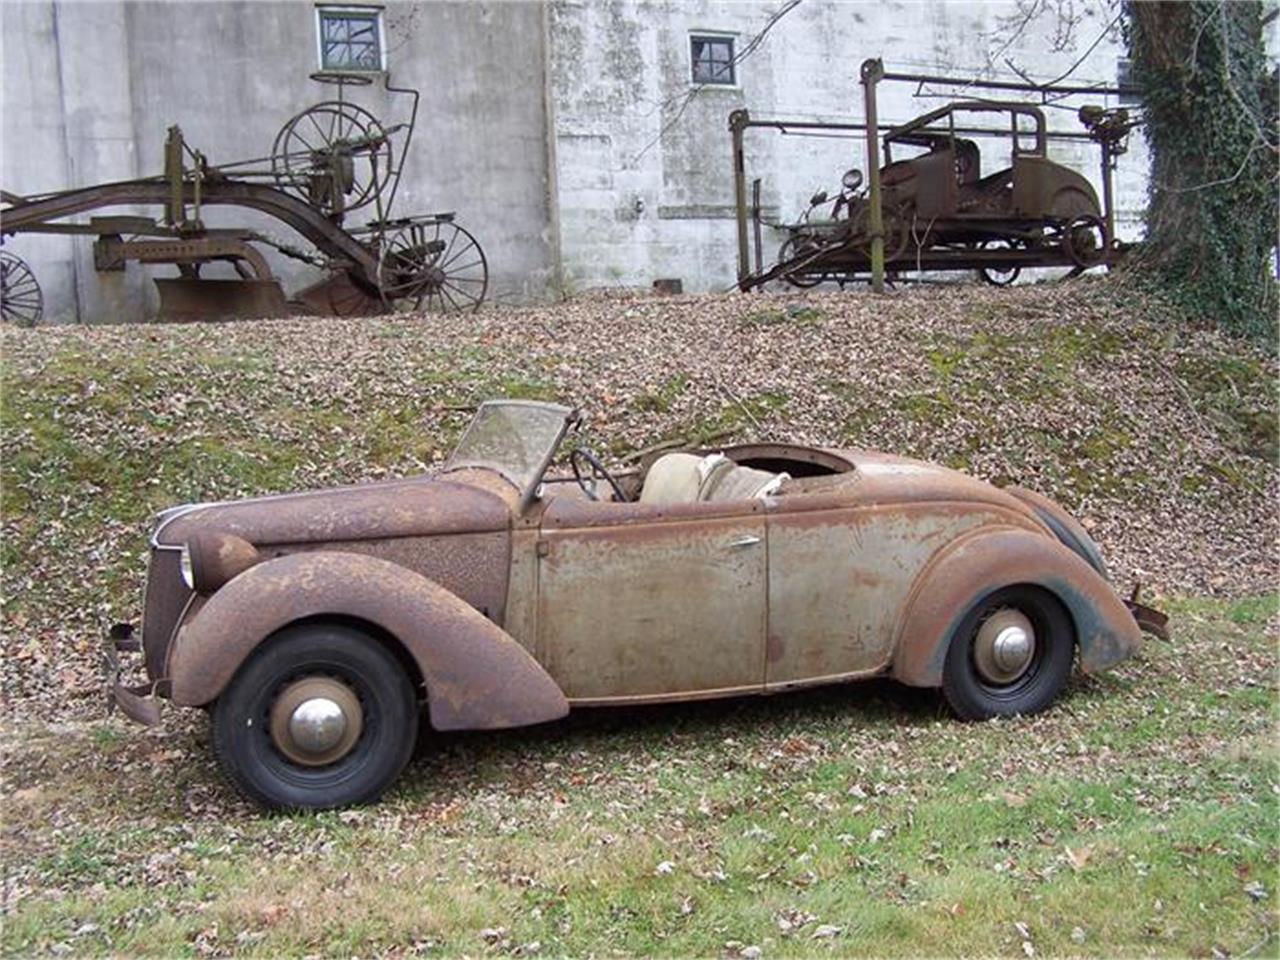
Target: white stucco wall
x=560 y=131
x=644 y=193
x=89 y=89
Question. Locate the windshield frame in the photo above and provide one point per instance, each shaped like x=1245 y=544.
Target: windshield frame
x=569 y=417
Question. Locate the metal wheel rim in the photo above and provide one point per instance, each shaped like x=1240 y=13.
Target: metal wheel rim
x=436 y=266
x=785 y=253
x=897 y=233
x=317 y=130
x=21 y=300
x=299 y=712
x=1084 y=254
x=1005 y=648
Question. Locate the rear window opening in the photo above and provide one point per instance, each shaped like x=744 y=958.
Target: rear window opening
x=794 y=468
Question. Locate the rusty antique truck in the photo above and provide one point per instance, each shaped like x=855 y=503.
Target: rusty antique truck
x=314 y=626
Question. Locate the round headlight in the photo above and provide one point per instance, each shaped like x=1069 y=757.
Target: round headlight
x=852 y=179
x=210 y=559
x=188 y=570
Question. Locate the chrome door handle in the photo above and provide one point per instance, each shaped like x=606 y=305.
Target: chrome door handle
x=748 y=541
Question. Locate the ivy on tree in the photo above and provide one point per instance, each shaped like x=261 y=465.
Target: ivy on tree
x=1211 y=119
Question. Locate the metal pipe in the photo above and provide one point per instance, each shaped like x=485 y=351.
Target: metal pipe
x=755 y=218
x=1108 y=202
x=1008 y=84
x=872 y=71
x=408 y=138
x=737 y=123
x=785 y=126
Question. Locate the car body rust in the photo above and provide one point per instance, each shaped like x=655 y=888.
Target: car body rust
x=855 y=564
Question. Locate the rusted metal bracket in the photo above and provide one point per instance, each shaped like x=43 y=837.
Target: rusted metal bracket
x=110 y=252
x=137 y=702
x=1149 y=619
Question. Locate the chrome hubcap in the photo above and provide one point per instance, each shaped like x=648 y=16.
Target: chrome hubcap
x=316 y=721
x=317 y=725
x=1004 y=647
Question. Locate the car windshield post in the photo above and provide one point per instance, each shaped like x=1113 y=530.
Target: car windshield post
x=515 y=438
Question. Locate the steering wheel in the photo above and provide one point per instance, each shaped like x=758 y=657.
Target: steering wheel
x=582 y=455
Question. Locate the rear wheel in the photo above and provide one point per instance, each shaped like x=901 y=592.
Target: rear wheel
x=799 y=246
x=998 y=276
x=1011 y=654
x=320 y=716
x=1086 y=241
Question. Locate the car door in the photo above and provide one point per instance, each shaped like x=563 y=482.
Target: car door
x=646 y=602
x=840 y=575
x=826 y=600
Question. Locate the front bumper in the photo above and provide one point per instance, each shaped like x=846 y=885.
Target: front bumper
x=1149 y=619
x=137 y=702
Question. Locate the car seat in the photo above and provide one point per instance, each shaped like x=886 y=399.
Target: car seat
x=686 y=478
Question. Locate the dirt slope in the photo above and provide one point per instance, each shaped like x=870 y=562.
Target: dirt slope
x=1162 y=438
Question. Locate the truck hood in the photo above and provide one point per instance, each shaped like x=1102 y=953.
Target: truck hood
x=420 y=506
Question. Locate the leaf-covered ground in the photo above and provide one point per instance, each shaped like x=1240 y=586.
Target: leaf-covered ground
x=1161 y=438
x=1136 y=817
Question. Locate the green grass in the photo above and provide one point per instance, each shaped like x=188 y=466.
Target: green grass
x=661 y=399
x=1138 y=816
x=965 y=379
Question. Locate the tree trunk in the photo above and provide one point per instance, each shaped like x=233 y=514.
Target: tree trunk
x=1211 y=121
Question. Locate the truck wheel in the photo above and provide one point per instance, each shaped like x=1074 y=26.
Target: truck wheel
x=1011 y=654
x=321 y=715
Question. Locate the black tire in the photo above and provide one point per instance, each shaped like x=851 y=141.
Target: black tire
x=973 y=696
x=998 y=276
x=242 y=737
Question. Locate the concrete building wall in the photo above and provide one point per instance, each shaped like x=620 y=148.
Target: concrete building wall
x=565 y=133
x=643 y=160
x=89 y=89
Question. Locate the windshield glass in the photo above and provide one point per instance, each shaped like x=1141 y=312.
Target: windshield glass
x=517 y=438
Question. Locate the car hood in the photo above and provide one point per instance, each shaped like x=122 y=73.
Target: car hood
x=420 y=506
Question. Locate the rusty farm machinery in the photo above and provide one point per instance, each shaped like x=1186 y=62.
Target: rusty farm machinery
x=327 y=162
x=931 y=207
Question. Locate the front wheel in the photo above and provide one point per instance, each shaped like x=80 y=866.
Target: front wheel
x=320 y=716
x=1011 y=654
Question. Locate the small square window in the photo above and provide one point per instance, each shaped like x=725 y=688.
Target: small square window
x=1124 y=80
x=350 y=39
x=712 y=60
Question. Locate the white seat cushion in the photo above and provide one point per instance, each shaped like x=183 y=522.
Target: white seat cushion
x=684 y=478
x=673 y=478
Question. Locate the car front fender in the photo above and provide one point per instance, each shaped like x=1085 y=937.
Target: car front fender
x=476 y=676
x=988 y=559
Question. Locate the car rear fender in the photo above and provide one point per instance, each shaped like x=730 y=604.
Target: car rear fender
x=988 y=559
x=476 y=676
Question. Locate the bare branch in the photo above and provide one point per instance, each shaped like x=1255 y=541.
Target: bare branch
x=695 y=89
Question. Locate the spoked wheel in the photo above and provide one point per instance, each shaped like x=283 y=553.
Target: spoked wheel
x=1010 y=655
x=1086 y=241
x=798 y=246
x=436 y=266
x=897 y=232
x=21 y=302
x=334 y=155
x=998 y=276
x=319 y=716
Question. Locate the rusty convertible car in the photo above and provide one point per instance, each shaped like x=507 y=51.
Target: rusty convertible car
x=314 y=626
